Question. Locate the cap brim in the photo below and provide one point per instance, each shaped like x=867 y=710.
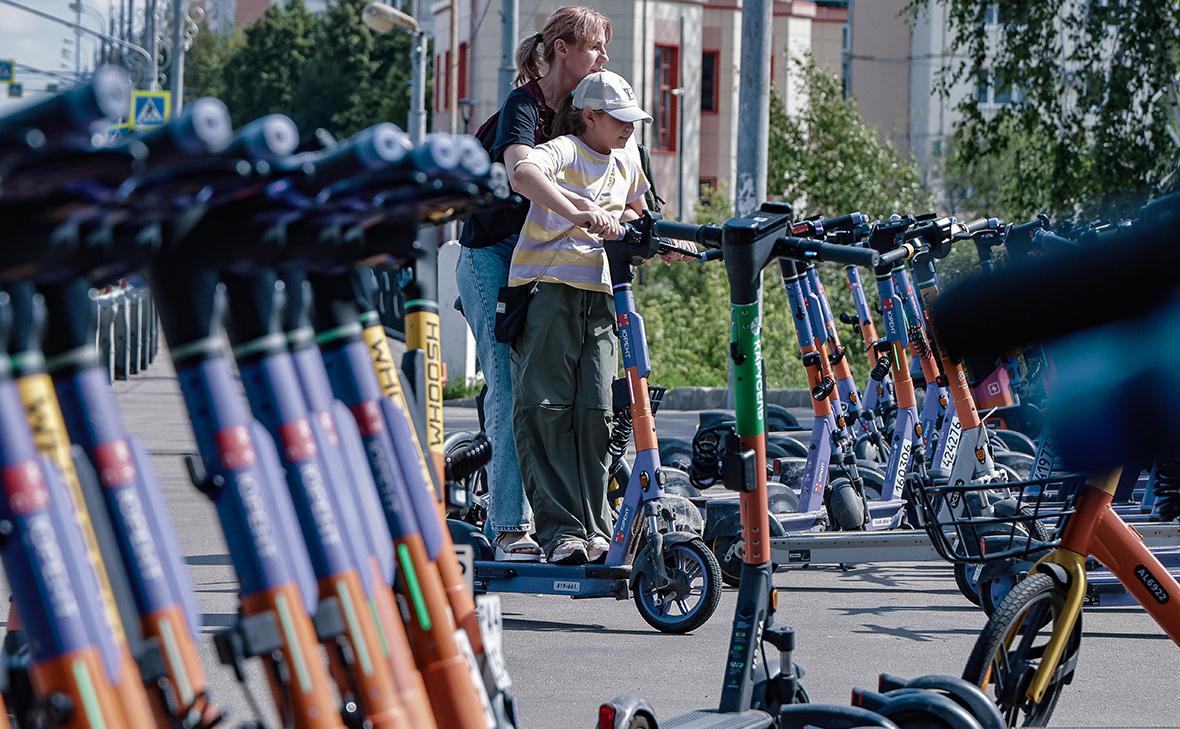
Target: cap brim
x=630 y=114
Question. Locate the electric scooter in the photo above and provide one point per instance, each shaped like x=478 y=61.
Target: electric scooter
x=654 y=556
x=757 y=695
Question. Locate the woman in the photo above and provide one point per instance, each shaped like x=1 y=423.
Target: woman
x=571 y=46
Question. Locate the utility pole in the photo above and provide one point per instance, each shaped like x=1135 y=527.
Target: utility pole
x=453 y=68
x=153 y=71
x=753 y=106
x=78 y=40
x=509 y=32
x=753 y=120
x=178 y=21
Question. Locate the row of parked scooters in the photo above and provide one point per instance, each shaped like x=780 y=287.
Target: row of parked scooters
x=327 y=467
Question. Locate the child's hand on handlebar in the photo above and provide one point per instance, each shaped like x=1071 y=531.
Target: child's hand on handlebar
x=600 y=223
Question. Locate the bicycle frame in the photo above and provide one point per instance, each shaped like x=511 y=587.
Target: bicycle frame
x=1095 y=529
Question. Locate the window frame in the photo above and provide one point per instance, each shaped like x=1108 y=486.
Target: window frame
x=716 y=96
x=661 y=91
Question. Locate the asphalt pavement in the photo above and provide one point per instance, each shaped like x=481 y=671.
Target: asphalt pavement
x=567 y=656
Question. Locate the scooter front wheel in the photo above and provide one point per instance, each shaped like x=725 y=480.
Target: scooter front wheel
x=692 y=593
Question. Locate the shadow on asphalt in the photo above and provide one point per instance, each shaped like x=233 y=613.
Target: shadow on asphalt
x=208 y=559
x=546 y=626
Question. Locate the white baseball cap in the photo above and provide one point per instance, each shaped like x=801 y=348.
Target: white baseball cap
x=608 y=91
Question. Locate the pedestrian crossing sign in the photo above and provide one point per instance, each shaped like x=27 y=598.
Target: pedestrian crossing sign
x=150 y=108
x=6 y=72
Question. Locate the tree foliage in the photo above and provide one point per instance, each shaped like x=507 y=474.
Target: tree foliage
x=327 y=70
x=828 y=160
x=825 y=160
x=1091 y=125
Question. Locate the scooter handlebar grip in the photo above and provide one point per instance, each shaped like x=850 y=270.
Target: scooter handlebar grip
x=900 y=253
x=376 y=147
x=1049 y=240
x=204 y=127
x=807 y=249
x=265 y=139
x=105 y=96
x=713 y=254
x=976 y=226
x=708 y=234
x=845 y=222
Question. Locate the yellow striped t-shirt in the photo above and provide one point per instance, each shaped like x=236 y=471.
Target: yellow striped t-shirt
x=550 y=247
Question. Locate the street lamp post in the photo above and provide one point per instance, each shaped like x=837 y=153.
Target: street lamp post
x=177 y=74
x=383 y=18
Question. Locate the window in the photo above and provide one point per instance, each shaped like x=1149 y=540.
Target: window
x=706 y=187
x=710 y=81
x=664 y=105
x=992 y=91
x=439 y=79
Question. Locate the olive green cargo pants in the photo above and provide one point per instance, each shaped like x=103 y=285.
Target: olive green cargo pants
x=563 y=364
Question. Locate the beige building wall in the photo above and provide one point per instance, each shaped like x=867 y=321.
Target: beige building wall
x=880 y=67
x=708 y=147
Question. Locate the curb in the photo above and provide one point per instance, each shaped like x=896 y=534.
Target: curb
x=696 y=398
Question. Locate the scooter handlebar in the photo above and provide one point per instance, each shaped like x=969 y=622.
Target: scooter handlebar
x=809 y=249
x=106 y=95
x=265 y=139
x=706 y=234
x=844 y=222
x=204 y=127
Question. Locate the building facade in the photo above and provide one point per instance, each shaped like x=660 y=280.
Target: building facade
x=893 y=69
x=681 y=56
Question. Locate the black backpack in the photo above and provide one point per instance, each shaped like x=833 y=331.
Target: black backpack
x=489 y=228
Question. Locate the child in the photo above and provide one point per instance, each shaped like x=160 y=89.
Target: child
x=564 y=360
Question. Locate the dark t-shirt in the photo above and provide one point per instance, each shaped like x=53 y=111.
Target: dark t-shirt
x=521 y=120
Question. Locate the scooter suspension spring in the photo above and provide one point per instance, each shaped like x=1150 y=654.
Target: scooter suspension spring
x=881 y=369
x=465 y=463
x=1166 y=485
x=620 y=434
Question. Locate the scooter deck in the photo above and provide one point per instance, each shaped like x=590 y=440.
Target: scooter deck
x=901 y=545
x=580 y=581
x=705 y=719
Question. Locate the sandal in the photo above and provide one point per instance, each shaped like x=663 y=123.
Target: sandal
x=516 y=547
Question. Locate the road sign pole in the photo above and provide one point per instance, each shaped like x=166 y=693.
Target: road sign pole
x=177 y=80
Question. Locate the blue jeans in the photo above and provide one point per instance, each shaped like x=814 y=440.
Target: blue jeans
x=479 y=274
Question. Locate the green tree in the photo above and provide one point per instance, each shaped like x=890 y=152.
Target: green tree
x=327 y=70
x=1092 y=89
x=206 y=61
x=828 y=160
x=261 y=76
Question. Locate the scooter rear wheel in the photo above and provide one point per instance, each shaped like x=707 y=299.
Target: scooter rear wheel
x=691 y=598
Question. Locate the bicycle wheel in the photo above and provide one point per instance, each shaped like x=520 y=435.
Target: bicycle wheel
x=1009 y=651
